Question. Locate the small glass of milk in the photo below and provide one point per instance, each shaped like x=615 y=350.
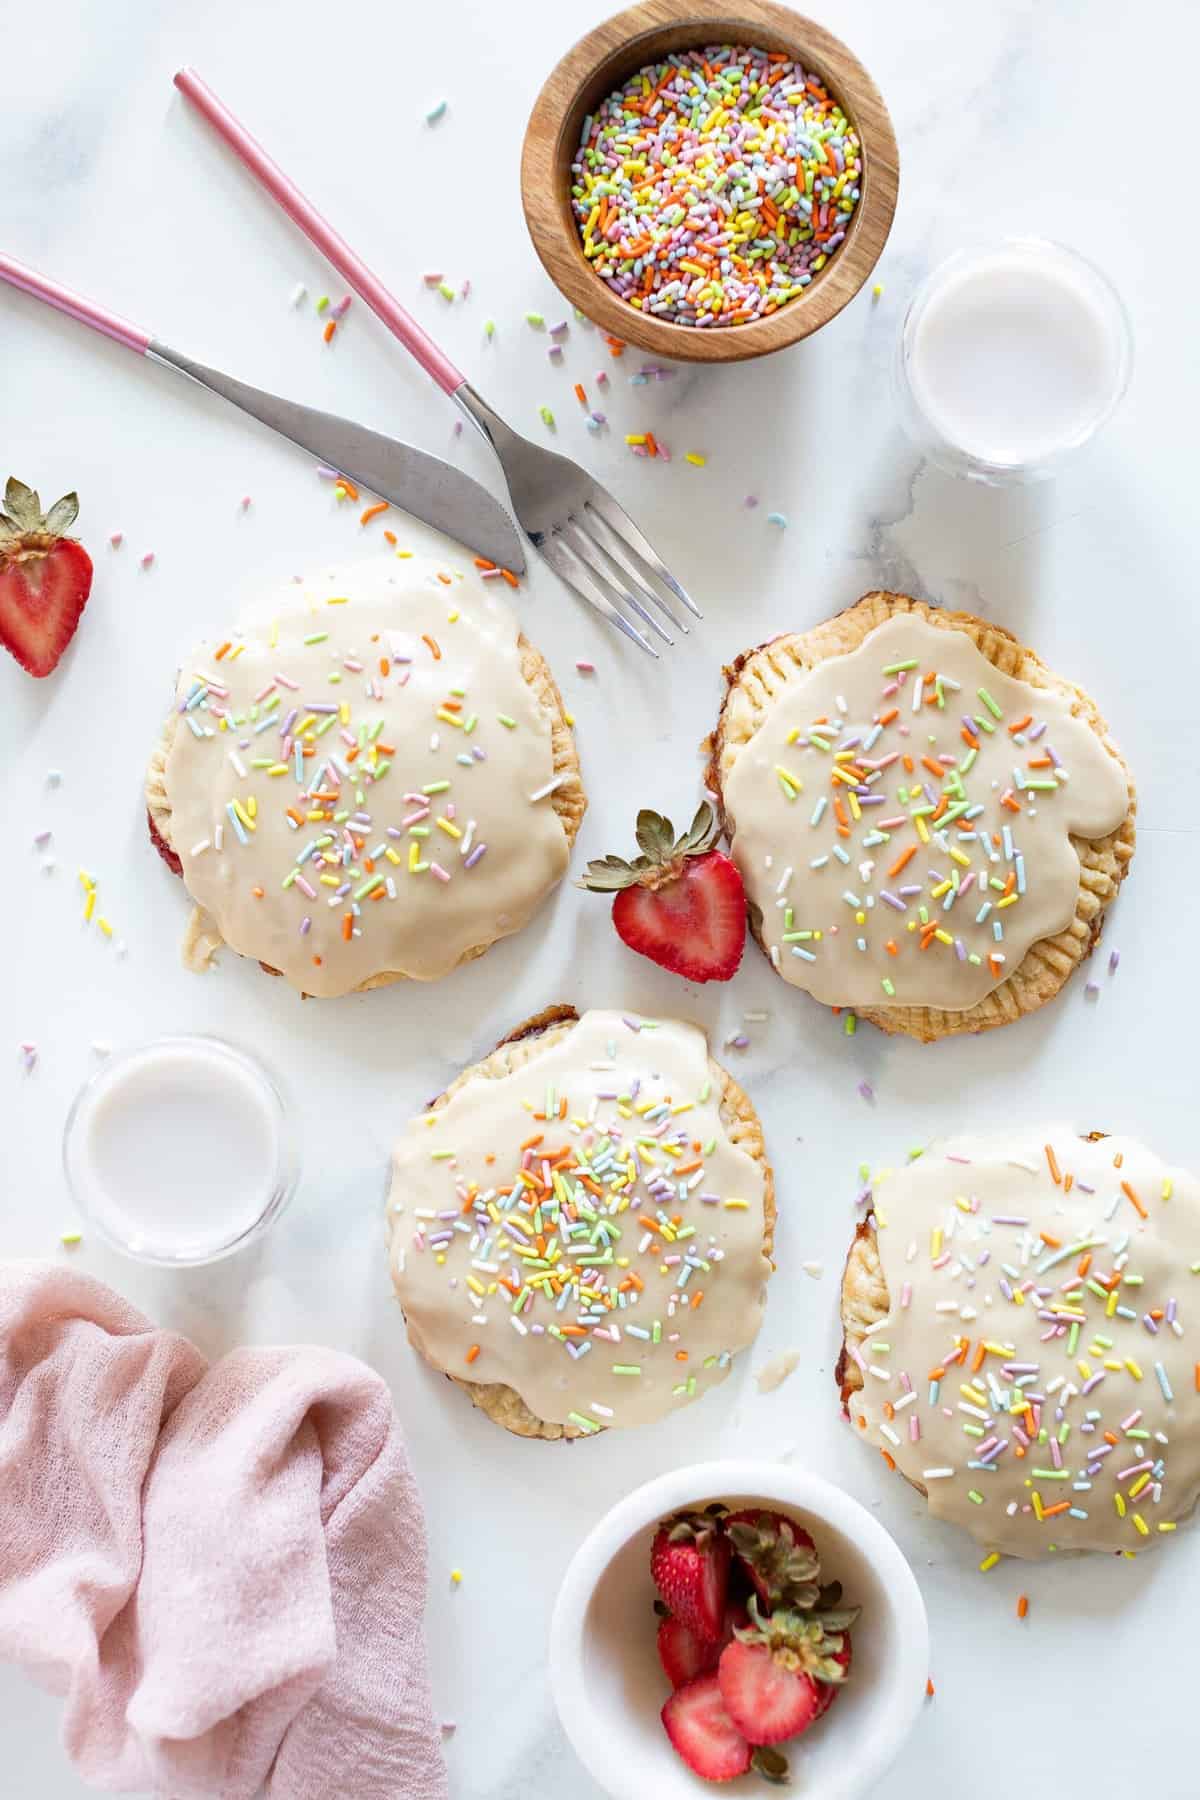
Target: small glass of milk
x=179 y=1152
x=1010 y=357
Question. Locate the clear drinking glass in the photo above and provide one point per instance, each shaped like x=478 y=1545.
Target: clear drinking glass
x=180 y=1151
x=1011 y=356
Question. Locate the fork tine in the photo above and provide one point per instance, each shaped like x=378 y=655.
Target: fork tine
x=567 y=565
x=587 y=551
x=616 y=549
x=619 y=521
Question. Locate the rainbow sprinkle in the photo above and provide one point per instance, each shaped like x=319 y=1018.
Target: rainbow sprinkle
x=714 y=186
x=928 y=839
x=1035 y=1391
x=608 y=1183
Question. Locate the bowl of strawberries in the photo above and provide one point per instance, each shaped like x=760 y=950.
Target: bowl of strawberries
x=738 y=1623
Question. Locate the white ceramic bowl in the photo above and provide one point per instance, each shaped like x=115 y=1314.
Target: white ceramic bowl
x=608 y=1683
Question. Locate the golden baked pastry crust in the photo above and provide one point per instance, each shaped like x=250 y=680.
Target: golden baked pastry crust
x=756 y=679
x=503 y=1404
x=569 y=802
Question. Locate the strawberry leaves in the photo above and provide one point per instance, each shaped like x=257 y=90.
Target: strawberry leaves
x=45 y=577
x=662 y=853
x=23 y=518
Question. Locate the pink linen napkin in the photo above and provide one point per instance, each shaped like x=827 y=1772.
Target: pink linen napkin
x=221 y=1569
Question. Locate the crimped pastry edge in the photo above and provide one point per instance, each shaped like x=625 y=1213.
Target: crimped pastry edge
x=757 y=677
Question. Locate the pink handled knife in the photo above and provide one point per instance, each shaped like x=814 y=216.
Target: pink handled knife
x=422 y=484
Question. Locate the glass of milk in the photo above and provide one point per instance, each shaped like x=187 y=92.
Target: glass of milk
x=1010 y=357
x=180 y=1152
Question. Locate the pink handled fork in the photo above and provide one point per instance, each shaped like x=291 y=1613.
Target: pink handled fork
x=585 y=536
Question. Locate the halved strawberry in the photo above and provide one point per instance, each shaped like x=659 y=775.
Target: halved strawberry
x=698 y=1725
x=766 y=1702
x=169 y=856
x=773 y=1674
x=684 y=1654
x=45 y=578
x=689 y=1565
x=681 y=901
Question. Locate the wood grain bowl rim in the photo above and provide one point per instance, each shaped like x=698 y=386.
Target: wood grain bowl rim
x=597 y=64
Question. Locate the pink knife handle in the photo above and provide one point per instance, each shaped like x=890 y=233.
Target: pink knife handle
x=42 y=288
x=335 y=248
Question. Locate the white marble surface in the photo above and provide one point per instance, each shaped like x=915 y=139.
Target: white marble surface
x=1008 y=116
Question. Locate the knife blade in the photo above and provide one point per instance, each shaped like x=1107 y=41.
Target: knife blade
x=412 y=479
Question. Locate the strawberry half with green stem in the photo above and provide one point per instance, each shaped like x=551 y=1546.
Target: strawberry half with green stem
x=773 y=1677
x=680 y=901
x=45 y=578
x=689 y=1565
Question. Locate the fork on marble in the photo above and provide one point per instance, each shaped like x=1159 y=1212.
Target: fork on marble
x=584 y=534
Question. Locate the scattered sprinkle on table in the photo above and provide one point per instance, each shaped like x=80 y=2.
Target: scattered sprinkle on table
x=299 y=294
x=779 y=519
x=148 y=560
x=713 y=186
x=116 y=539
x=435 y=112
x=70 y=1239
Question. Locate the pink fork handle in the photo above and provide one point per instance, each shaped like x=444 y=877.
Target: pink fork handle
x=334 y=248
x=98 y=317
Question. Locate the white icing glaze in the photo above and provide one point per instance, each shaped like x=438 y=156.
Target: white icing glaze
x=827 y=928
x=473 y=1150
x=1098 y=1405
x=372 y=618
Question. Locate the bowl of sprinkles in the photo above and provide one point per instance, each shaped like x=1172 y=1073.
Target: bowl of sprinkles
x=709 y=181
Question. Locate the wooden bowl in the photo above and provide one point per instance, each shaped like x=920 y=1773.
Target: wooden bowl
x=601 y=62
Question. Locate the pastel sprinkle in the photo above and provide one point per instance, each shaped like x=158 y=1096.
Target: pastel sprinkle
x=724 y=141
